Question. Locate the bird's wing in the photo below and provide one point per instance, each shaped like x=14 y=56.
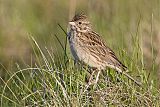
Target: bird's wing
x=97 y=48
x=93 y=42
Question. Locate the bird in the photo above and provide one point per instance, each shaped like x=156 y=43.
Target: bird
x=87 y=46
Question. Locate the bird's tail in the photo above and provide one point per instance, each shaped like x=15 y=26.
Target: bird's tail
x=124 y=71
x=131 y=78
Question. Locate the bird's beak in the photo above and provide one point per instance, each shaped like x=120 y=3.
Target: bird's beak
x=71 y=23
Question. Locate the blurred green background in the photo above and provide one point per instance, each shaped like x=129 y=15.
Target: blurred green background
x=118 y=21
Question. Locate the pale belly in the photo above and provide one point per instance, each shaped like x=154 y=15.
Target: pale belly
x=81 y=54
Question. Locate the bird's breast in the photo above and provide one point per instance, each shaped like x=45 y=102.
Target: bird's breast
x=73 y=44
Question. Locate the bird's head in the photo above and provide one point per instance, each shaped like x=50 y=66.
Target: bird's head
x=80 y=23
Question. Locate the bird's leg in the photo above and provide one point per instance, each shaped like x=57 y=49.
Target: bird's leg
x=97 y=78
x=91 y=77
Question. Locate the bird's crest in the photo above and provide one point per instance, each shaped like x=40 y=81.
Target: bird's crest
x=79 y=16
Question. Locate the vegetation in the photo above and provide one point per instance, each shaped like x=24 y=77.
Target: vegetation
x=38 y=70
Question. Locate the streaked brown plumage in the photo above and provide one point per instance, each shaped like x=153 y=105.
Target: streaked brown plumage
x=87 y=46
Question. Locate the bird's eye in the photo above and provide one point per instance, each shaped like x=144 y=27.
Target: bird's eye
x=80 y=22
